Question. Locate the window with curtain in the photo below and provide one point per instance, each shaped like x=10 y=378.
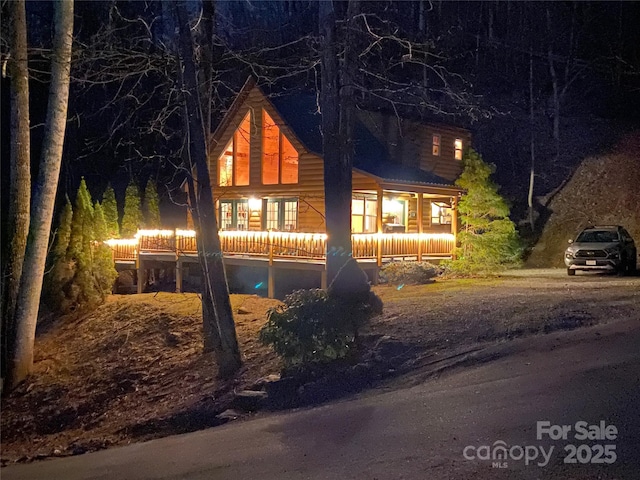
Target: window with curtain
x=435 y=147
x=234 y=214
x=280 y=214
x=441 y=213
x=458 y=148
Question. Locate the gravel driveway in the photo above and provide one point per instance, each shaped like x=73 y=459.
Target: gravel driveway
x=455 y=314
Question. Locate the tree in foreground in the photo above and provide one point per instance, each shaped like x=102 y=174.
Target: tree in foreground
x=23 y=329
x=132 y=218
x=488 y=239
x=110 y=207
x=20 y=174
x=151 y=206
x=218 y=325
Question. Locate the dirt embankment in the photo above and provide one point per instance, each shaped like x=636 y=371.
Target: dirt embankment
x=604 y=190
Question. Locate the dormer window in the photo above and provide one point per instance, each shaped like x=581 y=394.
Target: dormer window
x=435 y=149
x=279 y=157
x=457 y=145
x=233 y=164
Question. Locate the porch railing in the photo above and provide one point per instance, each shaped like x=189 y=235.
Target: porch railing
x=286 y=244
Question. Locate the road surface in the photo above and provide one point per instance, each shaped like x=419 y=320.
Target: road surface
x=421 y=429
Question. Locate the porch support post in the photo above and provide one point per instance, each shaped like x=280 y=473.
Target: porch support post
x=420 y=202
x=379 y=222
x=179 y=266
x=141 y=274
x=271 y=281
x=454 y=223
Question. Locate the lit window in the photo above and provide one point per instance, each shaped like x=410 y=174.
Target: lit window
x=289 y=161
x=270 y=147
x=233 y=164
x=458 y=149
x=243 y=146
x=234 y=214
x=394 y=215
x=279 y=157
x=225 y=167
x=441 y=213
x=363 y=214
x=435 y=149
x=280 y=214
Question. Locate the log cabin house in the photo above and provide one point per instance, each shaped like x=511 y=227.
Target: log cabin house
x=266 y=171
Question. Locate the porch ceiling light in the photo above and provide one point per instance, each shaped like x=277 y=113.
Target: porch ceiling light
x=255 y=203
x=391 y=206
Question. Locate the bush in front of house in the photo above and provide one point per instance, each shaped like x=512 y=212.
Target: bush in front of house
x=319 y=326
x=408 y=272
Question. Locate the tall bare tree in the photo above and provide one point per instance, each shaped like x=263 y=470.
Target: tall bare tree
x=44 y=196
x=20 y=171
x=337 y=104
x=219 y=327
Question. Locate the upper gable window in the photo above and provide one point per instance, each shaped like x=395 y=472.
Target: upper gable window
x=233 y=164
x=458 y=148
x=279 y=157
x=435 y=148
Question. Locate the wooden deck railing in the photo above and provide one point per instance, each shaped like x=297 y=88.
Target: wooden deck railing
x=286 y=244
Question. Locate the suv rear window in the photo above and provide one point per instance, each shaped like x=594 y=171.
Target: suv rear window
x=598 y=236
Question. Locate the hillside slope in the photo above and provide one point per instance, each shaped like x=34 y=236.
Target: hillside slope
x=604 y=190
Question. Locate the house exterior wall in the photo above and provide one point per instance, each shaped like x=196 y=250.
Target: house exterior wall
x=413 y=147
x=410 y=143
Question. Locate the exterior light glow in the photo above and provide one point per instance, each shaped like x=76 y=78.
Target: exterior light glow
x=391 y=206
x=255 y=204
x=154 y=233
x=116 y=242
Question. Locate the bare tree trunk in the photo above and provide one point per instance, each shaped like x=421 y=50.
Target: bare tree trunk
x=533 y=153
x=219 y=328
x=336 y=100
x=44 y=198
x=20 y=175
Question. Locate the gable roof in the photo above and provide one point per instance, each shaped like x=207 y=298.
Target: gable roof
x=301 y=114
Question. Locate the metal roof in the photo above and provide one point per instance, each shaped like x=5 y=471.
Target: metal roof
x=301 y=114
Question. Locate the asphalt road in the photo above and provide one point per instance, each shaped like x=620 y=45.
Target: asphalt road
x=420 y=429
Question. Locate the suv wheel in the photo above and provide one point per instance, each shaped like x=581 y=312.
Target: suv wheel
x=571 y=272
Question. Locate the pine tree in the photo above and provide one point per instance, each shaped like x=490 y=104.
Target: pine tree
x=151 y=206
x=110 y=207
x=132 y=218
x=488 y=238
x=63 y=234
x=104 y=271
x=82 y=292
x=61 y=271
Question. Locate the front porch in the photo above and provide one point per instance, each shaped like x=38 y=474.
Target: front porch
x=274 y=250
